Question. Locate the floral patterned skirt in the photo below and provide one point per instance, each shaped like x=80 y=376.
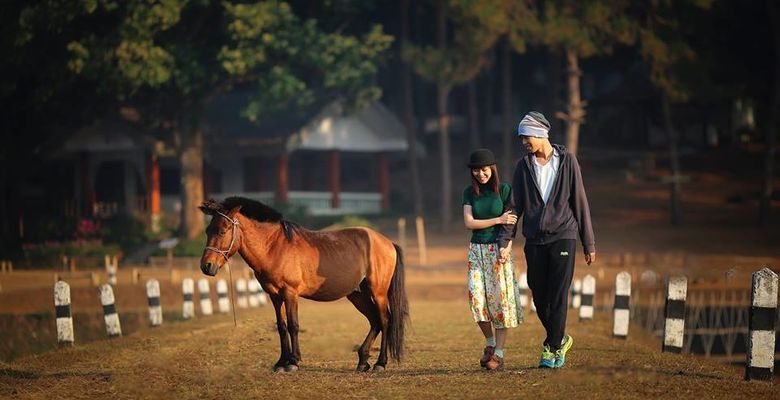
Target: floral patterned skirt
x=493 y=290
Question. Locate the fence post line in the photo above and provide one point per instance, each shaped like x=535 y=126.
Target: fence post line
x=576 y=290
x=155 y=308
x=761 y=326
x=588 y=295
x=63 y=314
x=254 y=291
x=188 y=306
x=402 y=232
x=222 y=297
x=523 y=290
x=421 y=246
x=205 y=300
x=241 y=289
x=674 y=314
x=622 y=313
x=113 y=328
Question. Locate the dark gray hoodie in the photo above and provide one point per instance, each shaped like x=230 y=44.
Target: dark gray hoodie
x=566 y=214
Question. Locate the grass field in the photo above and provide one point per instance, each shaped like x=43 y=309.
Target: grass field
x=209 y=358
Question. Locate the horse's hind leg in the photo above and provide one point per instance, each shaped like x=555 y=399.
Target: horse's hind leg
x=384 y=319
x=281 y=326
x=365 y=305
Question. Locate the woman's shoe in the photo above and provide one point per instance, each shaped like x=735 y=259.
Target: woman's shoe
x=488 y=352
x=495 y=363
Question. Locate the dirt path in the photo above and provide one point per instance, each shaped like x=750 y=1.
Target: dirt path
x=209 y=358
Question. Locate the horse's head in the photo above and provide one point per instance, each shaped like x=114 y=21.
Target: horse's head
x=222 y=236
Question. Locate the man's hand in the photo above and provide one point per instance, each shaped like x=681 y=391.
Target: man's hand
x=590 y=258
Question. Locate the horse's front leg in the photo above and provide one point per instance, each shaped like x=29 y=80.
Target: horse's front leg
x=291 y=306
x=281 y=326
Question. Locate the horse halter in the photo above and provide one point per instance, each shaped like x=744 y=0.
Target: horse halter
x=226 y=253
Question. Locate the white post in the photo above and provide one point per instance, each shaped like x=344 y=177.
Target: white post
x=254 y=290
x=188 y=306
x=205 y=300
x=241 y=289
x=588 y=295
x=761 y=326
x=155 y=308
x=523 y=290
x=63 y=314
x=674 y=314
x=222 y=297
x=111 y=267
x=622 y=301
x=576 y=290
x=113 y=328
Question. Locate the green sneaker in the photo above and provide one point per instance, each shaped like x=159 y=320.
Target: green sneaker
x=548 y=358
x=560 y=354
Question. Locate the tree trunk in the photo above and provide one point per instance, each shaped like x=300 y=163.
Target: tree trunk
x=411 y=127
x=487 y=112
x=474 y=134
x=674 y=162
x=442 y=94
x=575 y=109
x=507 y=131
x=765 y=206
x=191 y=163
x=554 y=76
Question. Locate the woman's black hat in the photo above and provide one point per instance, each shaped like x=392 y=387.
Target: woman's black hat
x=481 y=158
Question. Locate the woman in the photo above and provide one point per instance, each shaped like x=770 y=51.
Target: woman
x=492 y=287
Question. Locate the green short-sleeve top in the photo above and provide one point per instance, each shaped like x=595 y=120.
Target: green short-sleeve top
x=485 y=206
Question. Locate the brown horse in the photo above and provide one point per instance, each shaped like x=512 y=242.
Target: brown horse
x=291 y=262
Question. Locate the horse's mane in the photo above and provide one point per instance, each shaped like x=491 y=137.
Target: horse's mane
x=251 y=209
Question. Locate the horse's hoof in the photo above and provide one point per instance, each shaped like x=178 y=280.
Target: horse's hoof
x=379 y=368
x=363 y=367
x=291 y=368
x=279 y=368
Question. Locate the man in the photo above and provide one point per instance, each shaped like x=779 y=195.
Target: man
x=550 y=196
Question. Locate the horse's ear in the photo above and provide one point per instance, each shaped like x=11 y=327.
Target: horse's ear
x=235 y=210
x=207 y=207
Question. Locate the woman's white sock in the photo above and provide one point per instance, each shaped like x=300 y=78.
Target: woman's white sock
x=491 y=341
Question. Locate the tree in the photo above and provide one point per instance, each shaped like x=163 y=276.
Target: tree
x=452 y=64
x=580 y=29
x=773 y=9
x=663 y=46
x=172 y=57
x=409 y=119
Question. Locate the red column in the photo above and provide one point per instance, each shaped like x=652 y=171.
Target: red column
x=335 y=178
x=154 y=193
x=383 y=177
x=282 y=179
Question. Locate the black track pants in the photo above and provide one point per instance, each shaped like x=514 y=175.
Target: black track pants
x=550 y=270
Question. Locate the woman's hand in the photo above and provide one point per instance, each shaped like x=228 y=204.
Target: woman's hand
x=503 y=253
x=507 y=218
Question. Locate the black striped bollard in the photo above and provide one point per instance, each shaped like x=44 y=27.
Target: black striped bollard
x=63 y=314
x=674 y=315
x=241 y=289
x=111 y=267
x=188 y=306
x=761 y=325
x=110 y=315
x=205 y=300
x=523 y=290
x=155 y=308
x=576 y=291
x=622 y=301
x=588 y=295
x=222 y=297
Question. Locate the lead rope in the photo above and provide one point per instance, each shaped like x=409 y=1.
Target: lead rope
x=232 y=300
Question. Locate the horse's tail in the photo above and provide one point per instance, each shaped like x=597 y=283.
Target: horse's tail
x=399 y=308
